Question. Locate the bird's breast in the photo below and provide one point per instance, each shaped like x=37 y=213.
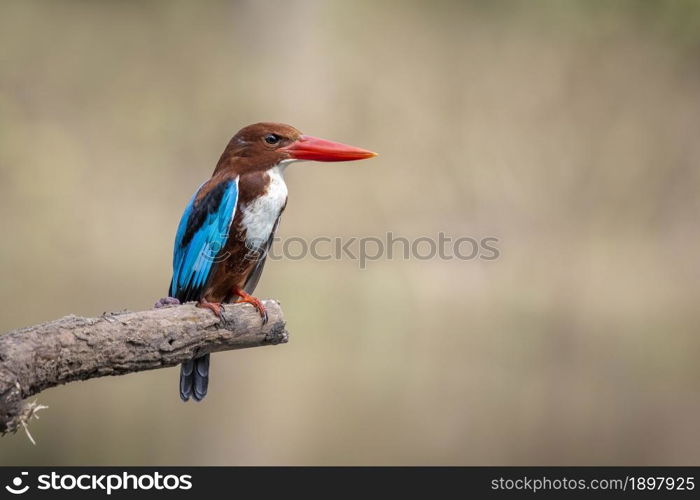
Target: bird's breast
x=261 y=212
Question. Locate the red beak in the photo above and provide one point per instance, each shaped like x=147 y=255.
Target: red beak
x=313 y=148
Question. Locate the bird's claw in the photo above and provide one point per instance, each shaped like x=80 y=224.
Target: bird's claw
x=254 y=301
x=258 y=305
x=216 y=307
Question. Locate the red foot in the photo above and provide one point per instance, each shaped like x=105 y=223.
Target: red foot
x=245 y=297
x=214 y=307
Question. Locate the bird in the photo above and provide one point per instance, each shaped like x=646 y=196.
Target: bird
x=228 y=226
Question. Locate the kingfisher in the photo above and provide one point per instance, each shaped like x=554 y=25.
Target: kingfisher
x=228 y=226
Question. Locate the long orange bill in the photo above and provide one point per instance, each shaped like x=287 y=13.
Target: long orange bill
x=313 y=148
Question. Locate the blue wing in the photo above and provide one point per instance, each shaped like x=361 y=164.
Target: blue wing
x=202 y=232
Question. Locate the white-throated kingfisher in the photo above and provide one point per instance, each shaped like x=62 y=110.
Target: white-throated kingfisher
x=229 y=224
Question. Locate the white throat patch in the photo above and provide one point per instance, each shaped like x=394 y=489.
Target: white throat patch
x=260 y=215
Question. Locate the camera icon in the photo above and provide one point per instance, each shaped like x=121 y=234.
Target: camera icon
x=17 y=483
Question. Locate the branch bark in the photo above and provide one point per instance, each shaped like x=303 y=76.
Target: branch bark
x=75 y=348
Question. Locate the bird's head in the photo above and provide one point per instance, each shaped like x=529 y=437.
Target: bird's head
x=263 y=145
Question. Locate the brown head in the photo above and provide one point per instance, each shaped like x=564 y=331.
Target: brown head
x=263 y=145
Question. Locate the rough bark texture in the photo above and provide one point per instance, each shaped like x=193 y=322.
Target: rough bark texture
x=74 y=348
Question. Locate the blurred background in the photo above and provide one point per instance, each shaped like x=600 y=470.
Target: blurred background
x=566 y=129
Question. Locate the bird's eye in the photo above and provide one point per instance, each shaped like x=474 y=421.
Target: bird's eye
x=272 y=138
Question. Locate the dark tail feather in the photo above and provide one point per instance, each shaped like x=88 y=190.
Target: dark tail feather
x=194 y=378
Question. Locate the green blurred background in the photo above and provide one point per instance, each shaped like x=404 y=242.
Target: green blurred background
x=567 y=129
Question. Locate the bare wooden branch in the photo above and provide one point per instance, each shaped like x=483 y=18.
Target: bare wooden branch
x=74 y=348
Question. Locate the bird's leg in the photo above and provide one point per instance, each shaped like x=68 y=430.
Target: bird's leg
x=257 y=303
x=216 y=307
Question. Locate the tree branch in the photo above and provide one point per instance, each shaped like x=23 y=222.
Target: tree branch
x=74 y=348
